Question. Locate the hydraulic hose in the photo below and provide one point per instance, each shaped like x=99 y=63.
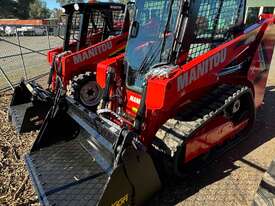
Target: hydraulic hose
x=106 y=91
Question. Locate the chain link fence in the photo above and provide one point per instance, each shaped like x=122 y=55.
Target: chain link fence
x=23 y=52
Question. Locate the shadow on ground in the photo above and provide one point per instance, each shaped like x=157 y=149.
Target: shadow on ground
x=176 y=191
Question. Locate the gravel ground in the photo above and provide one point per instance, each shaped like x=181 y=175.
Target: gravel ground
x=231 y=180
x=15 y=187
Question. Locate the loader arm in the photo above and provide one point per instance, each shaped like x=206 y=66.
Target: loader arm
x=88 y=58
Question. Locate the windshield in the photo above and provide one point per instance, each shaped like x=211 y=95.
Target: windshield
x=153 y=42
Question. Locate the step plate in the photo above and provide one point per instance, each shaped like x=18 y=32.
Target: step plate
x=65 y=174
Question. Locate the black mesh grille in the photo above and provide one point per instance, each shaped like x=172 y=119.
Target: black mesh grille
x=215 y=18
x=206 y=18
x=98 y=24
x=75 y=26
x=158 y=9
x=228 y=16
x=118 y=19
x=97 y=20
x=198 y=49
x=154 y=9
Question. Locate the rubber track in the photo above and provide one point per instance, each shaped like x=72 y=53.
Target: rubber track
x=177 y=130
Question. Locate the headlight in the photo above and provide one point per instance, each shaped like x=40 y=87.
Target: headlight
x=63 y=10
x=76 y=7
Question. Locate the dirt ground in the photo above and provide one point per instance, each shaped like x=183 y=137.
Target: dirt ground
x=230 y=180
x=15 y=187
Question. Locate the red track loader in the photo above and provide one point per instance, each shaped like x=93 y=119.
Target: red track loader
x=191 y=79
x=94 y=32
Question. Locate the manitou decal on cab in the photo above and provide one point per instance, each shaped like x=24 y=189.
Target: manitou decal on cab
x=201 y=69
x=92 y=52
x=135 y=99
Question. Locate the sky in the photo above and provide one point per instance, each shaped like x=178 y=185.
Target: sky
x=51 y=4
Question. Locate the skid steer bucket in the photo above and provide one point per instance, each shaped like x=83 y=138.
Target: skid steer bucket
x=73 y=162
x=29 y=107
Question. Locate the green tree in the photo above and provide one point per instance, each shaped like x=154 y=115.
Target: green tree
x=23 y=7
x=56 y=13
x=38 y=10
x=15 y=9
x=62 y=2
x=8 y=9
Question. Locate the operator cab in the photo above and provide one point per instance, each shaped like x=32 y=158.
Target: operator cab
x=173 y=32
x=89 y=23
x=151 y=42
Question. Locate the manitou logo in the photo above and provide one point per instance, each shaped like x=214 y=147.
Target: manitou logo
x=116 y=7
x=135 y=99
x=92 y=52
x=201 y=69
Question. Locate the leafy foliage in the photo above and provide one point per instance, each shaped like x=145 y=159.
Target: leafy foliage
x=24 y=9
x=56 y=13
x=62 y=2
x=38 y=9
x=9 y=9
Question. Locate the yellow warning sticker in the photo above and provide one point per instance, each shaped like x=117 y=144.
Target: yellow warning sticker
x=134 y=109
x=122 y=201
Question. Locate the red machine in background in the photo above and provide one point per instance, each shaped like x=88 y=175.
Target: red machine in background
x=191 y=83
x=102 y=32
x=93 y=32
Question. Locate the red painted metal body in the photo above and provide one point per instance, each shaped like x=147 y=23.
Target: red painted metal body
x=217 y=131
x=86 y=59
x=165 y=97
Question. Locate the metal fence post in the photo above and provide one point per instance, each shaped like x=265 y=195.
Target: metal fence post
x=6 y=77
x=21 y=54
x=47 y=33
